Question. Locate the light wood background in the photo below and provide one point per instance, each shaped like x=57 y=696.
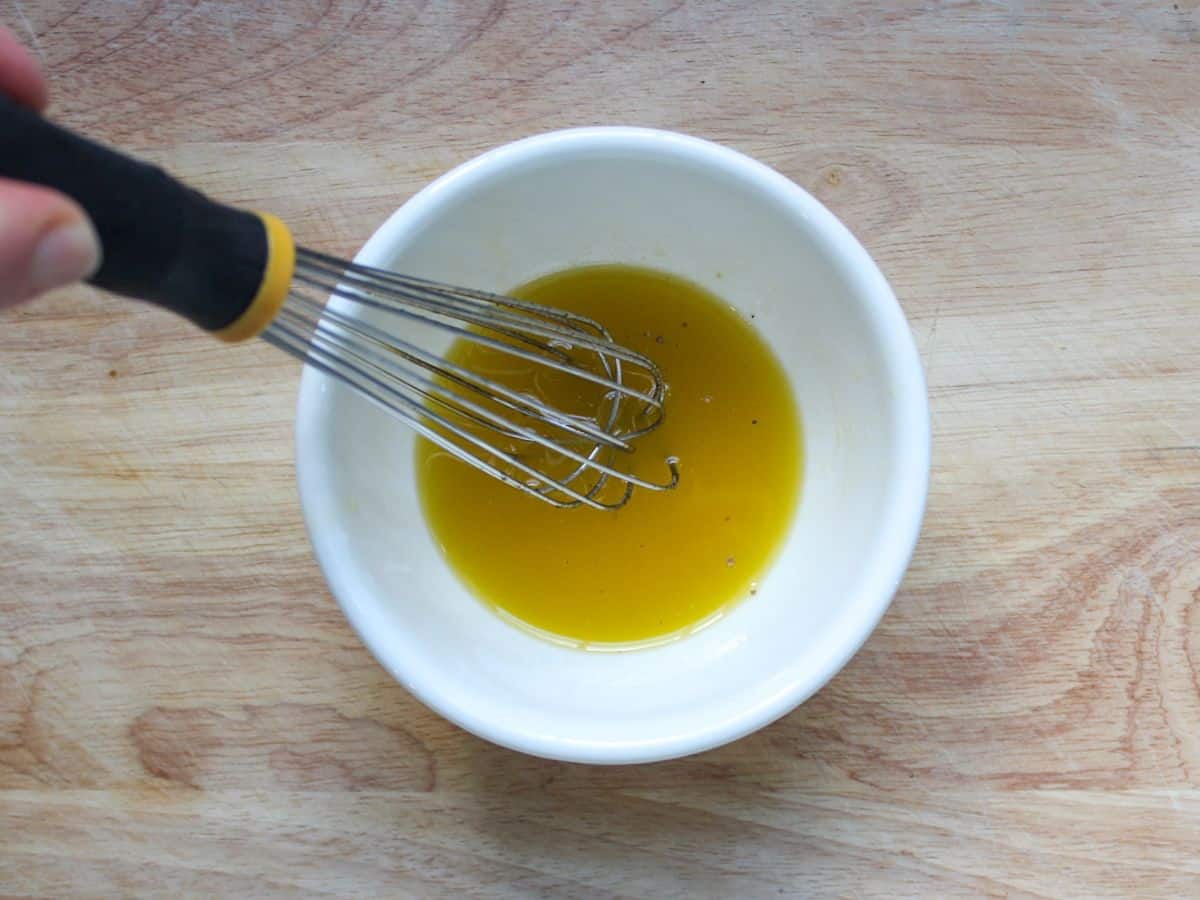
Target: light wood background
x=183 y=710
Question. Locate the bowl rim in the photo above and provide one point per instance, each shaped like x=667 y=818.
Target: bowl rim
x=901 y=518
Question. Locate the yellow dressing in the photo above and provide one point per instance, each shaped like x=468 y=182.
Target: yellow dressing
x=667 y=561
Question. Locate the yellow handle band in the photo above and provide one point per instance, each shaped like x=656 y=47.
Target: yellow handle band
x=276 y=282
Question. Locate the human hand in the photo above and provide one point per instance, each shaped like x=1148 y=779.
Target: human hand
x=46 y=239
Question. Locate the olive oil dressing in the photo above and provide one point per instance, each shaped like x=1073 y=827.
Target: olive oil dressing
x=666 y=562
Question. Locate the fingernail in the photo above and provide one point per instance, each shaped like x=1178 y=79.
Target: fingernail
x=66 y=254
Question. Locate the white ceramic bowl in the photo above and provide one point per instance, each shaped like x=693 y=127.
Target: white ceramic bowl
x=754 y=238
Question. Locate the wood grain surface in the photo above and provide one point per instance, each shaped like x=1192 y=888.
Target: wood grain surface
x=183 y=710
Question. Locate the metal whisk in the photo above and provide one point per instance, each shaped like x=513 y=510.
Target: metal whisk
x=462 y=410
x=239 y=274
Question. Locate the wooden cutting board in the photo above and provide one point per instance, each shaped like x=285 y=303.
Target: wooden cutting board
x=183 y=710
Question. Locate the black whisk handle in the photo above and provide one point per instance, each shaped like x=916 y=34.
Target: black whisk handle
x=224 y=268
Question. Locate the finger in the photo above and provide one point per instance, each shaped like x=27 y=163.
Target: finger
x=20 y=77
x=46 y=241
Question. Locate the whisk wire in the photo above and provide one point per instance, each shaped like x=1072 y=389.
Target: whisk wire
x=450 y=404
x=377 y=391
x=349 y=366
x=360 y=291
x=314 y=315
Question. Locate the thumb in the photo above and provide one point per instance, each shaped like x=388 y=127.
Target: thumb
x=46 y=241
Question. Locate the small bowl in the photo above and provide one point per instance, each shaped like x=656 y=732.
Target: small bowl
x=745 y=232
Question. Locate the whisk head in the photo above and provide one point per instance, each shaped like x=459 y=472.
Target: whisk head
x=550 y=408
